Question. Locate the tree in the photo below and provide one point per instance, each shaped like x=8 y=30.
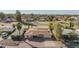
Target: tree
x=10 y=15
x=2 y=15
x=32 y=15
x=51 y=28
x=71 y=24
x=19 y=26
x=66 y=17
x=57 y=31
x=14 y=28
x=50 y=18
x=21 y=37
x=18 y=16
x=13 y=25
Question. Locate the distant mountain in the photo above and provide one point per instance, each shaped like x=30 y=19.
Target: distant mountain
x=59 y=12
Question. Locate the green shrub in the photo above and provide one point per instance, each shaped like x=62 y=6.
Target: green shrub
x=1 y=33
x=51 y=26
x=17 y=37
x=72 y=35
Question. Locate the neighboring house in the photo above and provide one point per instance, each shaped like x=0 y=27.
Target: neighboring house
x=30 y=20
x=42 y=19
x=67 y=31
x=5 y=20
x=6 y=28
x=77 y=32
x=24 y=20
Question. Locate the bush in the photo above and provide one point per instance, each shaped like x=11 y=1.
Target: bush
x=9 y=32
x=1 y=33
x=66 y=27
x=72 y=36
x=17 y=37
x=13 y=25
x=51 y=27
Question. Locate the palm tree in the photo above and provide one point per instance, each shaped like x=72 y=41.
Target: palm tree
x=51 y=28
x=18 y=16
x=71 y=24
x=19 y=26
x=50 y=18
x=2 y=15
x=51 y=24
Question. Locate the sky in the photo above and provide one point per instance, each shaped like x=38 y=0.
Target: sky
x=75 y=12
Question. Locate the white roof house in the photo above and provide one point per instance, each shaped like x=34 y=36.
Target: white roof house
x=77 y=31
x=66 y=31
x=6 y=28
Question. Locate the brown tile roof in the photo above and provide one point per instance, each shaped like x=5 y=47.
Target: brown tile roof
x=43 y=31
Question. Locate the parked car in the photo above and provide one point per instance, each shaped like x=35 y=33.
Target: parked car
x=4 y=35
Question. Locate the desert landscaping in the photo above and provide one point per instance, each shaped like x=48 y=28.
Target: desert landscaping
x=38 y=31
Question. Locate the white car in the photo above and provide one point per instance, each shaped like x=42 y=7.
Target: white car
x=4 y=35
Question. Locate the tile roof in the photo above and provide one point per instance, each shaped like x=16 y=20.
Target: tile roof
x=38 y=31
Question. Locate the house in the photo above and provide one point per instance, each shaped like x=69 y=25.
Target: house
x=66 y=31
x=6 y=28
x=5 y=20
x=77 y=32
x=38 y=33
x=30 y=20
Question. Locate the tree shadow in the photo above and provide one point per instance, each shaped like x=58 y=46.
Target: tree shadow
x=41 y=39
x=71 y=44
x=31 y=45
x=28 y=44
